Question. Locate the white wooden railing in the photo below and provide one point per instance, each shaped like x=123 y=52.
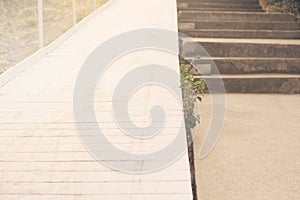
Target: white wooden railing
x=40 y=18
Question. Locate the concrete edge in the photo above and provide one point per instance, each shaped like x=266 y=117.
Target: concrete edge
x=298 y=19
x=190 y=145
x=241 y=40
x=14 y=71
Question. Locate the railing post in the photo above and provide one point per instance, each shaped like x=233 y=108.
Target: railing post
x=40 y=23
x=74 y=11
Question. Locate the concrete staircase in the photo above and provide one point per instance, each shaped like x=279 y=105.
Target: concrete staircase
x=256 y=52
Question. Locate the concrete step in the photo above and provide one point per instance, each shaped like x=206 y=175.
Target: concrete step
x=229 y=33
x=258 y=83
x=238 y=25
x=242 y=48
x=234 y=16
x=221 y=1
x=233 y=65
x=224 y=9
x=185 y=5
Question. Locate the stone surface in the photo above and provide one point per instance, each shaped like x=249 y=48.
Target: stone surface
x=234 y=19
x=222 y=1
x=242 y=42
x=240 y=25
x=196 y=5
x=257 y=156
x=257 y=83
x=245 y=48
x=236 y=16
x=236 y=65
x=222 y=33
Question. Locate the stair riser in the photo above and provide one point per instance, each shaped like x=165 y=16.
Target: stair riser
x=258 y=85
x=257 y=66
x=222 y=1
x=251 y=66
x=186 y=25
x=239 y=25
x=216 y=49
x=223 y=9
x=213 y=5
x=238 y=16
x=247 y=25
x=242 y=34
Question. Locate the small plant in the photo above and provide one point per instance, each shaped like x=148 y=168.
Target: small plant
x=284 y=6
x=31 y=21
x=192 y=92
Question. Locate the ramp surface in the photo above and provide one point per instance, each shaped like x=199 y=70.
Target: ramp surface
x=41 y=154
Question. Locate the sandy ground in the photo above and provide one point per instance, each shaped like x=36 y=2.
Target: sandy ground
x=19 y=26
x=257 y=156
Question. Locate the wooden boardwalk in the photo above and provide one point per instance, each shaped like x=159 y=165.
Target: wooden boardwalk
x=41 y=154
